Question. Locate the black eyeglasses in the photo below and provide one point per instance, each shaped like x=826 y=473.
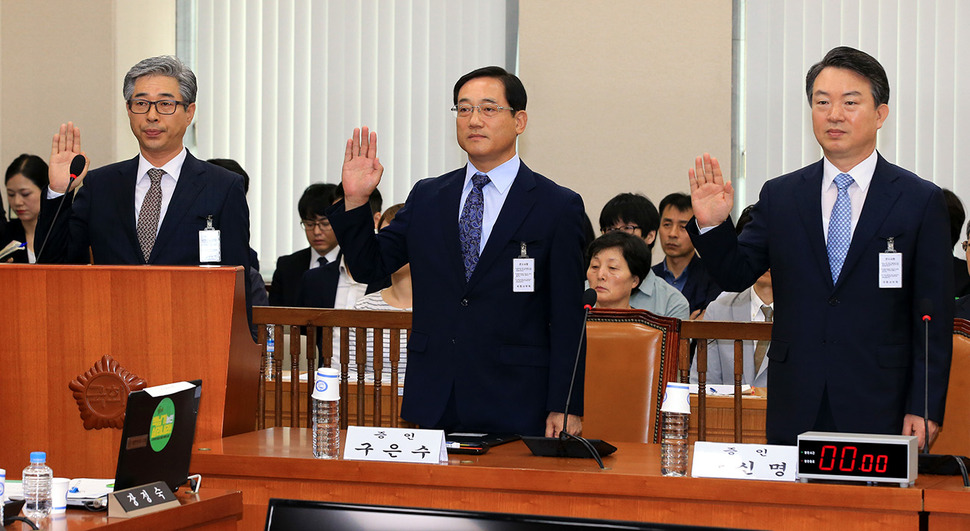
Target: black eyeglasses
x=162 y=106
x=629 y=229
x=309 y=224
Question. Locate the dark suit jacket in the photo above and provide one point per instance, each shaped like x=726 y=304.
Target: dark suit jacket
x=15 y=231
x=287 y=278
x=102 y=216
x=700 y=288
x=961 y=277
x=506 y=356
x=318 y=286
x=861 y=344
x=963 y=308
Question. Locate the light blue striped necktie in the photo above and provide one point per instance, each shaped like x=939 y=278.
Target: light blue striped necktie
x=840 y=226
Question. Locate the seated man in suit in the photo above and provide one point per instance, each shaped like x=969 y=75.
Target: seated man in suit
x=485 y=353
x=755 y=304
x=681 y=267
x=857 y=248
x=961 y=278
x=153 y=208
x=288 y=277
x=636 y=215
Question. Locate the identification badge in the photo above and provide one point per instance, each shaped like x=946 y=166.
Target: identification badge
x=210 y=250
x=523 y=272
x=890 y=266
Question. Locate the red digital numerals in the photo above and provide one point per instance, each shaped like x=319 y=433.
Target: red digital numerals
x=848 y=458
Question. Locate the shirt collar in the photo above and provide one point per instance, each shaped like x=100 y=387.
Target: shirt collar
x=756 y=304
x=501 y=176
x=861 y=173
x=172 y=167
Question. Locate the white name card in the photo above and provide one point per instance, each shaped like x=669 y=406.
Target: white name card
x=744 y=461
x=396 y=445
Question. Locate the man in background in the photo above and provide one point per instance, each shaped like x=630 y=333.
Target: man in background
x=681 y=267
x=322 y=250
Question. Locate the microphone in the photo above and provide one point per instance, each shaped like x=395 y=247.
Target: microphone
x=77 y=166
x=927 y=463
x=567 y=445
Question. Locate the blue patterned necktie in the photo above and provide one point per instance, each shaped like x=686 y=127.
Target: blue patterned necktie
x=840 y=226
x=470 y=223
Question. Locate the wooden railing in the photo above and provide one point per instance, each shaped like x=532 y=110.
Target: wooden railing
x=303 y=326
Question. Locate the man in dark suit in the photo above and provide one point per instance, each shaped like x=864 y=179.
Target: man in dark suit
x=681 y=267
x=287 y=279
x=485 y=353
x=858 y=253
x=155 y=208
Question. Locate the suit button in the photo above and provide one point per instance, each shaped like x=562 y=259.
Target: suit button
x=464 y=302
x=833 y=301
x=454 y=341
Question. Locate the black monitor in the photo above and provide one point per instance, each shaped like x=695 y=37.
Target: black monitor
x=310 y=515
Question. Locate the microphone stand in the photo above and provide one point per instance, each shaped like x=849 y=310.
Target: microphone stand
x=563 y=434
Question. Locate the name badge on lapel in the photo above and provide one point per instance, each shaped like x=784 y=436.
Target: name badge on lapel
x=890 y=266
x=210 y=250
x=523 y=272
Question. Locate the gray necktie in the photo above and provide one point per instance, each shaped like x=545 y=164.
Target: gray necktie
x=151 y=208
x=762 y=348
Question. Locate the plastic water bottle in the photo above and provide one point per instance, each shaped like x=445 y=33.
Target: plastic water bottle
x=270 y=348
x=673 y=444
x=326 y=414
x=38 y=479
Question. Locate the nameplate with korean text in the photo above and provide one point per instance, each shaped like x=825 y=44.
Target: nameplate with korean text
x=397 y=445
x=767 y=462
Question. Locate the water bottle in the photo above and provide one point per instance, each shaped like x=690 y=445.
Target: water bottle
x=326 y=414
x=37 y=481
x=673 y=436
x=270 y=348
x=673 y=445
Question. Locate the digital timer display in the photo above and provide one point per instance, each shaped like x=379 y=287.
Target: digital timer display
x=856 y=459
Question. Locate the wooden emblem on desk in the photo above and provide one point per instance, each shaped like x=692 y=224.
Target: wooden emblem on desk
x=102 y=393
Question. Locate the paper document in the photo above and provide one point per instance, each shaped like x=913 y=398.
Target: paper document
x=720 y=389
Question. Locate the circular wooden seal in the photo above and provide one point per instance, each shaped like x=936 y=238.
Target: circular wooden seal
x=101 y=393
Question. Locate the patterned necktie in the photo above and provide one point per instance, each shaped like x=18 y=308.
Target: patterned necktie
x=470 y=223
x=762 y=348
x=151 y=208
x=840 y=226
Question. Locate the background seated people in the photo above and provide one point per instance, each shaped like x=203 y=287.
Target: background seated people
x=287 y=279
x=755 y=304
x=963 y=304
x=257 y=288
x=635 y=214
x=27 y=182
x=961 y=278
x=618 y=262
x=395 y=297
x=681 y=267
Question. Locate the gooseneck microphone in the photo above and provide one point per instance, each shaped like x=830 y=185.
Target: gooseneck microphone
x=77 y=166
x=950 y=465
x=567 y=445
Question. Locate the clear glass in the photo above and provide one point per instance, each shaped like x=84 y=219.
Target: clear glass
x=673 y=444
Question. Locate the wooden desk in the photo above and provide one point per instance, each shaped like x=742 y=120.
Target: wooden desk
x=210 y=509
x=948 y=503
x=278 y=463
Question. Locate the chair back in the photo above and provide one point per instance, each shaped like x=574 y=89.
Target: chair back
x=630 y=357
x=954 y=435
x=285 y=396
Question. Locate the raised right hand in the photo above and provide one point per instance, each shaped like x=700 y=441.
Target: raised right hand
x=65 y=145
x=361 y=172
x=711 y=196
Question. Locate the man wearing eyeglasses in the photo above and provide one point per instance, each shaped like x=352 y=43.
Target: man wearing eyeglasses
x=496 y=254
x=158 y=207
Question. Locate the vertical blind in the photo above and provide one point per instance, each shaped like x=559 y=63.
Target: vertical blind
x=925 y=56
x=282 y=84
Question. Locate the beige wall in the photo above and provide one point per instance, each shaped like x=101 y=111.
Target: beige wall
x=623 y=94
x=65 y=60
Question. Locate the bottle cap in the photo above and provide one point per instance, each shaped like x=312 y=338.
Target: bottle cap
x=38 y=457
x=676 y=398
x=326 y=385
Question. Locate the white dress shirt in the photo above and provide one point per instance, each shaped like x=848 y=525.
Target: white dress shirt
x=172 y=169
